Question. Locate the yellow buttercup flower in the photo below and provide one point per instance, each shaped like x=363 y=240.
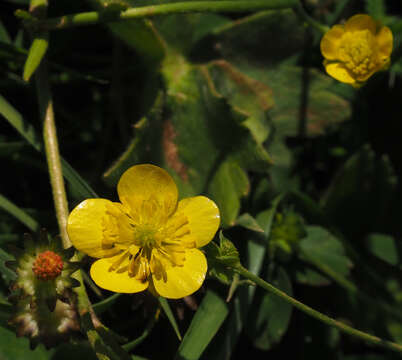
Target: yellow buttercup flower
x=355 y=51
x=150 y=239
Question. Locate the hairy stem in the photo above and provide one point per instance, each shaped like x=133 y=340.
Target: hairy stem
x=371 y=339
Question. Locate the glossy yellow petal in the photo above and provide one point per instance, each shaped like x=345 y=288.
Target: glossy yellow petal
x=330 y=42
x=203 y=218
x=338 y=72
x=183 y=280
x=384 y=40
x=361 y=22
x=117 y=281
x=85 y=227
x=147 y=190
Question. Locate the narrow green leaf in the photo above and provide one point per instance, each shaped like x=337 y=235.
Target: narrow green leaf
x=4 y=36
x=15 y=119
x=168 y=312
x=206 y=322
x=247 y=221
x=18 y=213
x=35 y=55
x=27 y=131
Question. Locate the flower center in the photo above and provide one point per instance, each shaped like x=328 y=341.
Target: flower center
x=48 y=265
x=356 y=51
x=154 y=241
x=144 y=236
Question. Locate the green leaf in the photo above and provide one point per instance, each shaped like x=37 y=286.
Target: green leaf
x=35 y=55
x=169 y=314
x=323 y=249
x=271 y=316
x=18 y=213
x=12 y=348
x=206 y=322
x=138 y=34
x=247 y=221
x=227 y=187
x=384 y=247
x=242 y=38
x=376 y=9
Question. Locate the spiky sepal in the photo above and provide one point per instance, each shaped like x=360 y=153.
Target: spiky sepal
x=45 y=306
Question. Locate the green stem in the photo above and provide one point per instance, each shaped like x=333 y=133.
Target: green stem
x=95 y=17
x=316 y=314
x=151 y=323
x=50 y=136
x=299 y=10
x=52 y=151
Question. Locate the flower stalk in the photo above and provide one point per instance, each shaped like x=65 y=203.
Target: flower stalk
x=371 y=339
x=52 y=151
x=95 y=17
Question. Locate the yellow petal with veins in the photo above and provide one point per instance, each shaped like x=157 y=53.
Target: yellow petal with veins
x=330 y=42
x=338 y=71
x=384 y=40
x=117 y=281
x=147 y=190
x=203 y=219
x=85 y=227
x=361 y=22
x=183 y=280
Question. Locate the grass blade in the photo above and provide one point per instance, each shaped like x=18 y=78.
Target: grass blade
x=27 y=131
x=206 y=322
x=18 y=213
x=168 y=312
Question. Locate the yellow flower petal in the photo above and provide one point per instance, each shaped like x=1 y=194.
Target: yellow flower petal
x=117 y=281
x=183 y=280
x=85 y=227
x=203 y=218
x=384 y=40
x=338 y=71
x=361 y=22
x=148 y=182
x=330 y=42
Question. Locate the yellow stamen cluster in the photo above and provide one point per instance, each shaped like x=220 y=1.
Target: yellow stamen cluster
x=155 y=243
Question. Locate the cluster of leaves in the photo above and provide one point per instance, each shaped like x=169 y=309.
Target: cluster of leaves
x=305 y=171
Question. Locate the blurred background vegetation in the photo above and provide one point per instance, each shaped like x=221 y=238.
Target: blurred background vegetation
x=305 y=170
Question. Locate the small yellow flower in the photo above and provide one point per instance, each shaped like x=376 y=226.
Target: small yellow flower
x=355 y=51
x=149 y=239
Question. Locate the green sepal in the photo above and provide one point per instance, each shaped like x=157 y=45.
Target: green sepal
x=222 y=259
